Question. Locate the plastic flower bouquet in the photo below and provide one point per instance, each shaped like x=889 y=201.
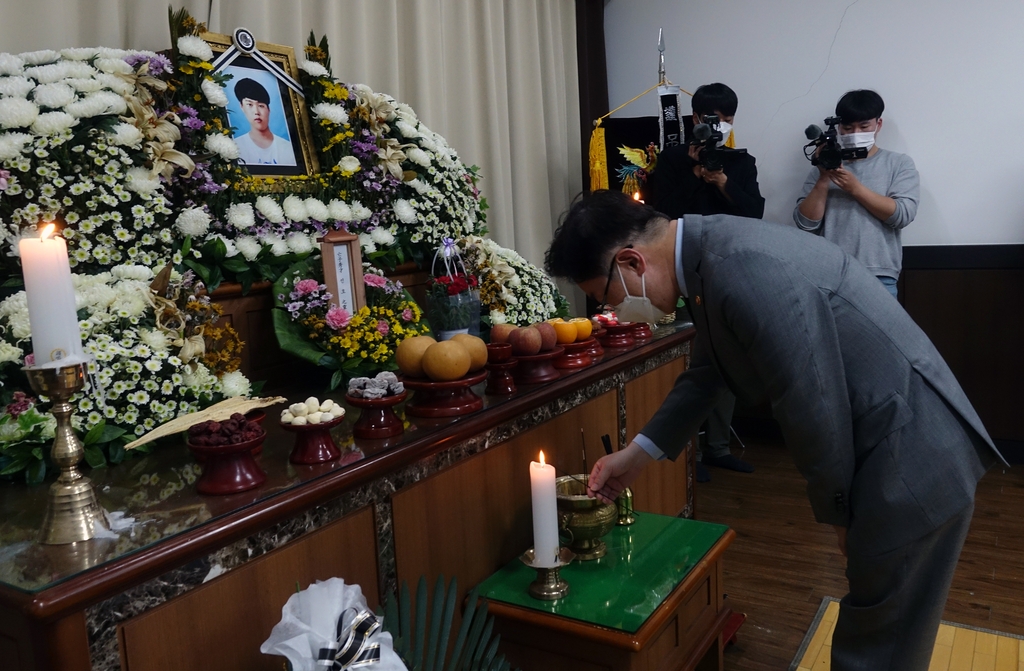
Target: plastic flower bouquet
x=353 y=345
x=453 y=304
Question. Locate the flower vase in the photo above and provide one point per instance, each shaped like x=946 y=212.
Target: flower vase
x=448 y=335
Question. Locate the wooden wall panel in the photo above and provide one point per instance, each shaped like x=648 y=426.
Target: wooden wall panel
x=222 y=624
x=661 y=487
x=474 y=517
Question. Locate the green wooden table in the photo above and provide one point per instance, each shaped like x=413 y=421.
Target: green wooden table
x=656 y=591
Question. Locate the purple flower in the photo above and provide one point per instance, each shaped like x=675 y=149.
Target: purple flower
x=21 y=403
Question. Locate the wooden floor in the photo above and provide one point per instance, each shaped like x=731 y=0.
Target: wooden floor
x=783 y=563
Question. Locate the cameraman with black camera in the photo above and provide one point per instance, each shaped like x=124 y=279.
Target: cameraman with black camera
x=709 y=177
x=859 y=196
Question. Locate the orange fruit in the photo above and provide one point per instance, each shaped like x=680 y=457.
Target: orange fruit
x=476 y=347
x=584 y=327
x=445 y=361
x=409 y=355
x=565 y=331
x=554 y=320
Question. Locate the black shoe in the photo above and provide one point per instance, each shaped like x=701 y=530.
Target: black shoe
x=702 y=473
x=729 y=461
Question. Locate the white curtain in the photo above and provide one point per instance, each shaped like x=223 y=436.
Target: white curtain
x=496 y=79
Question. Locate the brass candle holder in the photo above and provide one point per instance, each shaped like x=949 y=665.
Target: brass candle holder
x=549 y=584
x=72 y=512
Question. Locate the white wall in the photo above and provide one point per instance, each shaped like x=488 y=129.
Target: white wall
x=951 y=74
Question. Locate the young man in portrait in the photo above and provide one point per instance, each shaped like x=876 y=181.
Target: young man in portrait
x=260 y=146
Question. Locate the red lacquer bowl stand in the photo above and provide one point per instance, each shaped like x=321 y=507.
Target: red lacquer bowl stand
x=642 y=332
x=537 y=368
x=377 y=418
x=313 y=442
x=444 y=399
x=500 y=382
x=577 y=355
x=618 y=336
x=596 y=350
x=229 y=469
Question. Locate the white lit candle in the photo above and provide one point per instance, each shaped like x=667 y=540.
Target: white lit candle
x=545 y=513
x=52 y=314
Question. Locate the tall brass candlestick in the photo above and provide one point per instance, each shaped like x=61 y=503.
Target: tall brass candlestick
x=72 y=512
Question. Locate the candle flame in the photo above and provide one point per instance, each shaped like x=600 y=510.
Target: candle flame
x=636 y=195
x=542 y=457
x=47 y=231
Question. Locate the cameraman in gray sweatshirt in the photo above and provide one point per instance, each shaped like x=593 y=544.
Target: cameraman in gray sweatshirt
x=862 y=205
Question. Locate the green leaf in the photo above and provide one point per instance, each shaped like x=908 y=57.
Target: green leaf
x=292 y=339
x=116 y=452
x=94 y=456
x=435 y=624
x=111 y=433
x=37 y=452
x=95 y=432
x=201 y=270
x=236 y=264
x=421 y=623
x=16 y=465
x=337 y=379
x=186 y=246
x=35 y=472
x=215 y=248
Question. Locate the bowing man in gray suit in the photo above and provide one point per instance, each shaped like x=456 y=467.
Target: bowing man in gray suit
x=889 y=444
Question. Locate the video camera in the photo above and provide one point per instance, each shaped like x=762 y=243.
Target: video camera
x=706 y=135
x=831 y=155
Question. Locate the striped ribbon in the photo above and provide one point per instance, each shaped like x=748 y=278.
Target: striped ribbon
x=355 y=652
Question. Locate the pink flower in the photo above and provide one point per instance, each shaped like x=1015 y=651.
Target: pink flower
x=303 y=287
x=383 y=327
x=30 y=360
x=4 y=176
x=337 y=318
x=374 y=280
x=22 y=403
x=407 y=314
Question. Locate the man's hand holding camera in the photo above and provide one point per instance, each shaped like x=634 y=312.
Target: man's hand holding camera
x=717 y=178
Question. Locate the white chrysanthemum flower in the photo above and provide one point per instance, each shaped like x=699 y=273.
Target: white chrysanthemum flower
x=39 y=57
x=17 y=113
x=407 y=129
x=419 y=185
x=15 y=87
x=360 y=211
x=418 y=156
x=366 y=243
x=11 y=64
x=193 y=221
x=21 y=329
x=299 y=243
x=51 y=123
x=222 y=145
x=241 y=216
x=269 y=208
x=84 y=85
x=142 y=181
x=314 y=69
x=498 y=317
x=381 y=236
x=79 y=53
x=114 y=66
x=278 y=245
x=11 y=144
x=111 y=52
x=339 y=210
x=405 y=212
x=53 y=96
x=349 y=164
x=295 y=209
x=116 y=84
x=248 y=246
x=214 y=93
x=131 y=301
x=316 y=210
x=234 y=384
x=132 y=272
x=333 y=113
x=405 y=113
x=199 y=379
x=190 y=45
x=9 y=352
x=100 y=103
x=126 y=135
x=156 y=340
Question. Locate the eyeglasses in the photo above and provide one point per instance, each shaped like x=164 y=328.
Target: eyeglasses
x=608 y=284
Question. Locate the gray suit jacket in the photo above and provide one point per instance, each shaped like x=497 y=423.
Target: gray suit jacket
x=888 y=442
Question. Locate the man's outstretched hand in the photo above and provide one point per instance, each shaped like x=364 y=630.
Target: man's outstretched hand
x=613 y=473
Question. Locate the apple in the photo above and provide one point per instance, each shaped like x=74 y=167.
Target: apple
x=548 y=336
x=499 y=332
x=525 y=341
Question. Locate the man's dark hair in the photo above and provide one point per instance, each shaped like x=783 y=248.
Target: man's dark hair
x=862 y=105
x=712 y=98
x=596 y=226
x=253 y=90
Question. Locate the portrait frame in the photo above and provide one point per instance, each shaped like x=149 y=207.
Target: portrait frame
x=343 y=270
x=267 y=64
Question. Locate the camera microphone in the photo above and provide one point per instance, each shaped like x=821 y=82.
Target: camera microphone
x=702 y=132
x=813 y=132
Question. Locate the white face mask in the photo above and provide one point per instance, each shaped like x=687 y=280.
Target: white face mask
x=725 y=127
x=857 y=140
x=637 y=308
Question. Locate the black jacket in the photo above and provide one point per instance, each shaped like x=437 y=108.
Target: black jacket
x=674 y=190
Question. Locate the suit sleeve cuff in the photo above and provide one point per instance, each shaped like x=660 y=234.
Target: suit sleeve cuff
x=649 y=447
